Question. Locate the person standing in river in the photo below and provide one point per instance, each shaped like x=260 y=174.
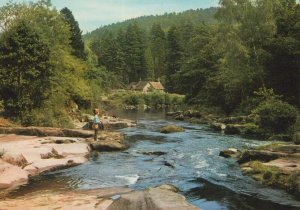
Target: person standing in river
x=96 y=123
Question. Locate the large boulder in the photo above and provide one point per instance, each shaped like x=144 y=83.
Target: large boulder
x=107 y=146
x=233 y=129
x=108 y=141
x=159 y=198
x=230 y=153
x=217 y=126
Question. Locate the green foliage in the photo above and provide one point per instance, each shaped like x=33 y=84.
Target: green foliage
x=296 y=138
x=275 y=116
x=133 y=99
x=76 y=39
x=173 y=57
x=25 y=69
x=38 y=68
x=166 y=20
x=52 y=114
x=158 y=49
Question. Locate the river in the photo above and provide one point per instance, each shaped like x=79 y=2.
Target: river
x=189 y=160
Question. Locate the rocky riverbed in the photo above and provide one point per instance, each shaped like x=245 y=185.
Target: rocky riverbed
x=30 y=151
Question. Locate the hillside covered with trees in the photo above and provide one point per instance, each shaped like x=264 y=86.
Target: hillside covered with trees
x=218 y=57
x=240 y=58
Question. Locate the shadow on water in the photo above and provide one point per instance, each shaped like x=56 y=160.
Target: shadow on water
x=211 y=196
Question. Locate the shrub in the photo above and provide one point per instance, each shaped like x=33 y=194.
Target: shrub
x=133 y=99
x=157 y=98
x=275 y=116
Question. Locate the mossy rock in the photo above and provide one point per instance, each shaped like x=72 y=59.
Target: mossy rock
x=281 y=137
x=273 y=176
x=217 y=126
x=232 y=129
x=171 y=129
x=230 y=153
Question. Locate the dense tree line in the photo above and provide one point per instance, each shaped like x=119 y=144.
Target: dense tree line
x=217 y=57
x=44 y=65
x=250 y=45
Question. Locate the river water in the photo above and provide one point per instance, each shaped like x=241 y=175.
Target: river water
x=189 y=160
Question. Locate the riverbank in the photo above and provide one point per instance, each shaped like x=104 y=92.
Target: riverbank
x=24 y=156
x=31 y=151
x=276 y=165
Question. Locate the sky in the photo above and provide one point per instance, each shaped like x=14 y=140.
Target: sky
x=92 y=14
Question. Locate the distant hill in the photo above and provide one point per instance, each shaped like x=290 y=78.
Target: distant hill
x=166 y=20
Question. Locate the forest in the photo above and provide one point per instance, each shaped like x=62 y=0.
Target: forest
x=240 y=58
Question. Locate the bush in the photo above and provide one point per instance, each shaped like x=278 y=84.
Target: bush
x=133 y=99
x=53 y=113
x=275 y=116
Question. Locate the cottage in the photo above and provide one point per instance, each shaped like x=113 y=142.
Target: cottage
x=146 y=86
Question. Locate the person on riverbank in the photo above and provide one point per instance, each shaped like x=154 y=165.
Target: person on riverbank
x=96 y=123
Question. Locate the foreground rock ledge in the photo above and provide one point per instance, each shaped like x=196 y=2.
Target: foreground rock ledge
x=277 y=165
x=25 y=156
x=164 y=197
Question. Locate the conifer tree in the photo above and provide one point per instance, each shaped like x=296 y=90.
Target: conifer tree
x=76 y=38
x=174 y=56
x=135 y=53
x=158 y=50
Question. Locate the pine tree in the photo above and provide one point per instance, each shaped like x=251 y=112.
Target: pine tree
x=76 y=38
x=158 y=50
x=174 y=57
x=134 y=50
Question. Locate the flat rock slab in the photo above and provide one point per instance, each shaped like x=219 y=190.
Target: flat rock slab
x=285 y=164
x=102 y=199
x=46 y=131
x=31 y=155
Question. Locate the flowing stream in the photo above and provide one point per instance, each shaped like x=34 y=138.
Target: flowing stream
x=189 y=160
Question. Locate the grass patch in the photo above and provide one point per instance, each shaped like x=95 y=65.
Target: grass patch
x=274 y=146
x=273 y=176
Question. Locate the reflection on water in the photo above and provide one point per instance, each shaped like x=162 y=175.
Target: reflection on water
x=189 y=160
